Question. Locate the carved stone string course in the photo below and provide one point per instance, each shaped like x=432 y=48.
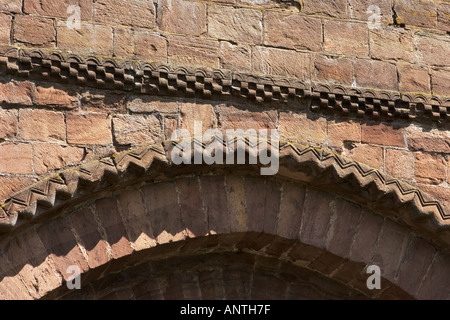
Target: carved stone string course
x=163 y=80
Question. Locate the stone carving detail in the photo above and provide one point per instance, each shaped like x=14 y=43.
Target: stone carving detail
x=221 y=85
x=299 y=163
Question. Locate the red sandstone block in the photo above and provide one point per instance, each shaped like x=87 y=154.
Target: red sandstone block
x=341 y=131
x=216 y=207
x=12 y=184
x=5 y=28
x=420 y=13
x=366 y=237
x=91 y=128
x=292 y=31
x=291 y=208
x=433 y=50
x=367 y=154
x=191 y=205
x=86 y=227
x=376 y=74
x=182 y=17
x=8 y=123
x=434 y=140
x=413 y=78
x=134 y=13
x=336 y=9
x=163 y=209
x=42 y=125
x=62 y=247
x=344 y=225
x=382 y=134
x=58 y=97
x=440 y=80
x=136 y=220
x=389 y=43
x=337 y=70
x=136 y=129
x=414 y=267
x=186 y=50
x=11 y=5
x=235 y=56
x=390 y=249
x=16 y=158
x=315 y=218
x=278 y=62
x=58 y=8
x=235 y=24
x=34 y=31
x=436 y=283
x=399 y=163
x=429 y=168
x=111 y=222
x=17 y=92
x=348 y=38
x=47 y=157
x=311 y=130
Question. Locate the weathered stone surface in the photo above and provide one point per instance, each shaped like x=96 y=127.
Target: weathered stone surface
x=417 y=260
x=435 y=285
x=35 y=31
x=55 y=96
x=374 y=73
x=429 y=168
x=413 y=78
x=89 y=39
x=367 y=154
x=11 y=5
x=201 y=112
x=184 y=50
x=292 y=31
x=91 y=128
x=400 y=163
x=419 y=13
x=361 y=10
x=136 y=129
x=336 y=9
x=235 y=56
x=383 y=134
x=443 y=17
x=142 y=44
x=236 y=117
x=291 y=208
x=303 y=128
x=10 y=184
x=85 y=225
x=235 y=24
x=366 y=237
x=420 y=139
x=147 y=104
x=8 y=123
x=282 y=62
x=5 y=28
x=135 y=13
x=337 y=70
x=111 y=221
x=182 y=17
x=341 y=131
x=388 y=43
x=41 y=125
x=348 y=38
x=315 y=218
x=16 y=158
x=14 y=92
x=440 y=81
x=48 y=157
x=433 y=50
x=58 y=8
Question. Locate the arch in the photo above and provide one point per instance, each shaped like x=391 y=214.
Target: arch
x=137 y=201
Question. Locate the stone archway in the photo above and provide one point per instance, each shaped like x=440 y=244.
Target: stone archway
x=137 y=204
